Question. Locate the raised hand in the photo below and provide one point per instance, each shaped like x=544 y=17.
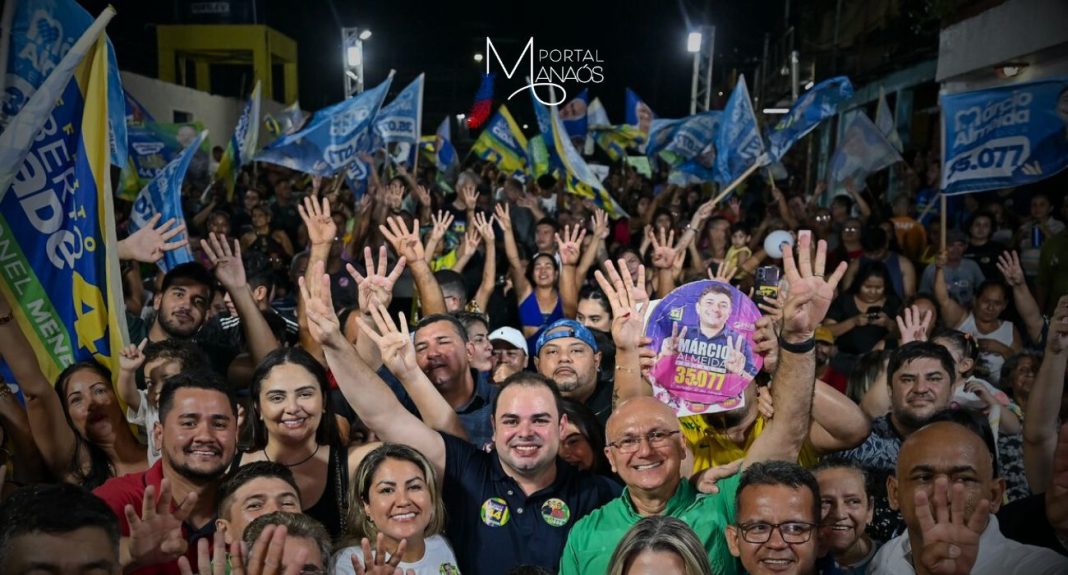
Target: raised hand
x=664 y=249
x=226 y=262
x=1057 y=339
x=472 y=239
x=504 y=217
x=149 y=243
x=766 y=343
x=376 y=288
x=422 y=196
x=670 y=345
x=705 y=482
x=213 y=563
x=570 y=246
x=442 y=220
x=600 y=224
x=406 y=242
x=810 y=294
x=376 y=563
x=395 y=346
x=363 y=207
x=735 y=362
x=156 y=536
x=485 y=227
x=913 y=325
x=704 y=211
x=627 y=298
x=1009 y=266
x=725 y=272
x=265 y=557
x=316 y=216
x=131 y=357
x=323 y=324
x=470 y=195
x=950 y=537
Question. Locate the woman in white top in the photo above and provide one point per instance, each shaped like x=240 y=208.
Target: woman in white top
x=997 y=339
x=396 y=503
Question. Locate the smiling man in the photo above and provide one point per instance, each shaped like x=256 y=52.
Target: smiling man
x=254 y=490
x=920 y=376
x=197 y=434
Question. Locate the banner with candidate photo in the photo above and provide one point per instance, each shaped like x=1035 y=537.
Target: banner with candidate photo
x=1004 y=137
x=703 y=334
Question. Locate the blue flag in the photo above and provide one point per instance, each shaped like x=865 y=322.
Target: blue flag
x=807 y=112
x=685 y=138
x=135 y=112
x=400 y=121
x=863 y=151
x=579 y=178
x=573 y=115
x=59 y=270
x=1004 y=137
x=332 y=138
x=544 y=157
x=739 y=143
x=41 y=33
x=163 y=195
x=445 y=157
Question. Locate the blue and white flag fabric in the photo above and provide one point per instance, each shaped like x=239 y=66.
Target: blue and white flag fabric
x=163 y=196
x=41 y=33
x=289 y=120
x=332 y=138
x=60 y=272
x=579 y=178
x=574 y=117
x=638 y=113
x=740 y=144
x=135 y=111
x=242 y=144
x=544 y=157
x=686 y=138
x=808 y=111
x=596 y=116
x=400 y=121
x=1004 y=137
x=884 y=120
x=863 y=151
x=445 y=154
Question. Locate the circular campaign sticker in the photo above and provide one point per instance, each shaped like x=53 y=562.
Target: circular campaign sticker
x=703 y=334
x=555 y=512
x=495 y=512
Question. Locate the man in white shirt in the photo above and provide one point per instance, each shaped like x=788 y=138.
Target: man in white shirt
x=947 y=488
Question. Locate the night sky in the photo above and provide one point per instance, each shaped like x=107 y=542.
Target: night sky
x=642 y=44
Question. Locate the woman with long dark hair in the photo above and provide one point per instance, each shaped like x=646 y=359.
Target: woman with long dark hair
x=293 y=424
x=862 y=318
x=78 y=425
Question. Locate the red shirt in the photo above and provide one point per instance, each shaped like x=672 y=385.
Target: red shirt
x=118 y=492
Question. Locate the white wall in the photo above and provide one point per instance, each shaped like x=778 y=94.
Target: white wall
x=218 y=114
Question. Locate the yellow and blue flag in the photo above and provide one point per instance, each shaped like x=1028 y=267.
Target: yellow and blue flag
x=242 y=144
x=613 y=140
x=58 y=266
x=580 y=180
x=502 y=143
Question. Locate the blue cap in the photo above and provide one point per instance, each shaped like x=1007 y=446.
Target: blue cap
x=565 y=328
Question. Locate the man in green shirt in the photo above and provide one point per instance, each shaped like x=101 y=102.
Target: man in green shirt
x=645 y=445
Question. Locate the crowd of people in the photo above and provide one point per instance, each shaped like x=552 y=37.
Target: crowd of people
x=450 y=374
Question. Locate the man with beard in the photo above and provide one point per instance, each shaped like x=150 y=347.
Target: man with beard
x=181 y=305
x=947 y=489
x=567 y=353
x=920 y=375
x=197 y=434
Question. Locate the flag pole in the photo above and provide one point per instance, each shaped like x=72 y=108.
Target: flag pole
x=737 y=181
x=942 y=199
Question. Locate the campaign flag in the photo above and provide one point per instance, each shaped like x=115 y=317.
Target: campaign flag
x=863 y=151
x=135 y=111
x=1004 y=137
x=152 y=145
x=58 y=267
x=701 y=167
x=596 y=116
x=574 y=117
x=739 y=143
x=332 y=138
x=638 y=112
x=544 y=158
x=41 y=31
x=400 y=121
x=444 y=152
x=884 y=120
x=807 y=112
x=502 y=143
x=242 y=144
x=580 y=179
x=289 y=120
x=685 y=138
x=163 y=195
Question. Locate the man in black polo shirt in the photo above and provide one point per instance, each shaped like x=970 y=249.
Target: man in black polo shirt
x=509 y=507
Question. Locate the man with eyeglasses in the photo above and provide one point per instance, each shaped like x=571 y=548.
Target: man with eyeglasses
x=777 y=510
x=645 y=446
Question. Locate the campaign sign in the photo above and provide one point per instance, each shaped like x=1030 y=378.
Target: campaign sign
x=703 y=332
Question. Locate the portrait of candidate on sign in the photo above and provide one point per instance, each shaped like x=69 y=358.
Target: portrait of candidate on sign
x=703 y=333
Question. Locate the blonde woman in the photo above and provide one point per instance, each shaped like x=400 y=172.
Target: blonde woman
x=661 y=545
x=397 y=505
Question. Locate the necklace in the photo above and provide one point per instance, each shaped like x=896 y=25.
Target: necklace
x=297 y=464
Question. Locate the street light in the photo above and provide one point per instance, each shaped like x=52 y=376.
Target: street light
x=352 y=39
x=702 y=44
x=366 y=34
x=478 y=56
x=693 y=42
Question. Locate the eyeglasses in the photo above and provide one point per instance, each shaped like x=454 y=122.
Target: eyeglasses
x=630 y=443
x=791 y=531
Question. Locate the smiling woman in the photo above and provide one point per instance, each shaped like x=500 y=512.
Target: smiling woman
x=399 y=501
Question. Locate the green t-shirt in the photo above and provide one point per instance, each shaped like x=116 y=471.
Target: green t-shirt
x=593 y=539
